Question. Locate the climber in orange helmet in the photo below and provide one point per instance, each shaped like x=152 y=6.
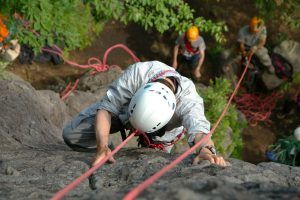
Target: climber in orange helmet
x=191 y=47
x=9 y=49
x=252 y=39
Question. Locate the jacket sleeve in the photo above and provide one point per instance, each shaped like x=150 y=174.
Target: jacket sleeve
x=120 y=92
x=190 y=108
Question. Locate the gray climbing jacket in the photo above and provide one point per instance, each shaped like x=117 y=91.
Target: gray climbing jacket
x=189 y=113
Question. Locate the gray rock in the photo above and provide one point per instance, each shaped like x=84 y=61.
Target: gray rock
x=44 y=171
x=10 y=76
x=226 y=143
x=35 y=164
x=55 y=107
x=271 y=81
x=79 y=100
x=99 y=80
x=290 y=50
x=24 y=117
x=11 y=171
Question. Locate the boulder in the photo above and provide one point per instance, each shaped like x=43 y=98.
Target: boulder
x=25 y=119
x=271 y=81
x=290 y=50
x=99 y=80
x=79 y=100
x=55 y=107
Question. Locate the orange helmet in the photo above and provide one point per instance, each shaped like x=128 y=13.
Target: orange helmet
x=255 y=24
x=3 y=31
x=192 y=33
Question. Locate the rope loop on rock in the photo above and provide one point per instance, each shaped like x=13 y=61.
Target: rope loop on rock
x=94 y=64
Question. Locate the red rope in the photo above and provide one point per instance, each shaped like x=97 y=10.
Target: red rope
x=256 y=107
x=93 y=63
x=141 y=187
x=143 y=136
x=60 y=194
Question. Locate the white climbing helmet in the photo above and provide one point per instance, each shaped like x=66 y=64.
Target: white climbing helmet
x=152 y=107
x=297 y=133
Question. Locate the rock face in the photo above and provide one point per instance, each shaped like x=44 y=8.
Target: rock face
x=99 y=80
x=55 y=107
x=78 y=100
x=290 y=50
x=91 y=89
x=25 y=116
x=35 y=163
x=39 y=173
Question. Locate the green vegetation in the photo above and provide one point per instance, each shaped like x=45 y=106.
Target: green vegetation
x=285 y=87
x=161 y=15
x=285 y=11
x=72 y=23
x=3 y=65
x=67 y=23
x=215 y=98
x=285 y=151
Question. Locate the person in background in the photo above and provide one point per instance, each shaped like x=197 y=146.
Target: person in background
x=9 y=48
x=252 y=39
x=189 y=50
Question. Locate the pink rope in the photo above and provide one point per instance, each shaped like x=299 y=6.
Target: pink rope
x=137 y=190
x=60 y=194
x=141 y=187
x=256 y=107
x=93 y=63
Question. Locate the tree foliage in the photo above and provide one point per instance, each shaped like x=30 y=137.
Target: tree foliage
x=215 y=98
x=287 y=11
x=67 y=23
x=71 y=23
x=162 y=15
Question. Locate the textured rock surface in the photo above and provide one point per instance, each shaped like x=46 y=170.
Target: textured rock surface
x=39 y=173
x=290 y=50
x=271 y=81
x=25 y=118
x=94 y=87
x=79 y=100
x=99 y=80
x=55 y=107
x=35 y=163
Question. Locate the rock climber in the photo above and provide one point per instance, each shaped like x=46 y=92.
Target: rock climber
x=252 y=39
x=150 y=97
x=189 y=50
x=9 y=48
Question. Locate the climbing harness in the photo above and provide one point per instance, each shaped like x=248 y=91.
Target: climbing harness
x=148 y=142
x=189 y=47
